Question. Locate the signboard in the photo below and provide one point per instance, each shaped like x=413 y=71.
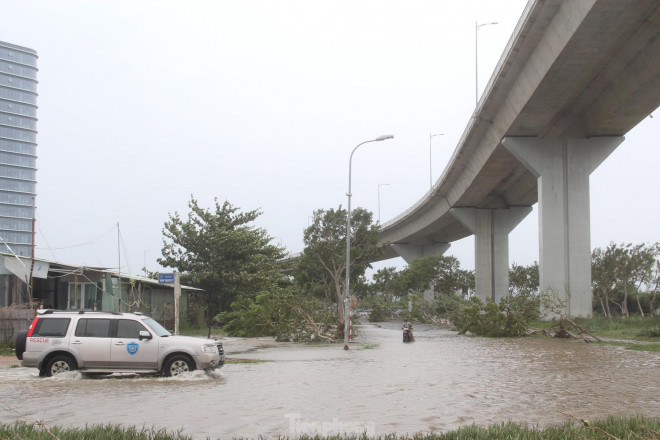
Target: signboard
x=166 y=278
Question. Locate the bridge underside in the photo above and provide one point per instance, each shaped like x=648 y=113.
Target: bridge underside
x=571 y=71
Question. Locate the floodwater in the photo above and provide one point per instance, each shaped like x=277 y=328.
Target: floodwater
x=381 y=385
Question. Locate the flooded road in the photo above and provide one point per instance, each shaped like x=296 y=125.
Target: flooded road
x=441 y=382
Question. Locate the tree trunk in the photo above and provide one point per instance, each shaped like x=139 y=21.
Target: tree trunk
x=607 y=303
x=624 y=303
x=639 y=305
x=652 y=304
x=614 y=302
x=339 y=289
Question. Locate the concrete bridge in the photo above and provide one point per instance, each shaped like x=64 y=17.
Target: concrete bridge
x=575 y=77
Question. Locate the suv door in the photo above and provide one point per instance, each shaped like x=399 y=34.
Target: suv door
x=128 y=351
x=91 y=342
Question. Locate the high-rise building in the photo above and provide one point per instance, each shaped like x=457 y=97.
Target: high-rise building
x=18 y=147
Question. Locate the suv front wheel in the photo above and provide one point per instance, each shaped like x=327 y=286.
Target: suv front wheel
x=178 y=364
x=59 y=364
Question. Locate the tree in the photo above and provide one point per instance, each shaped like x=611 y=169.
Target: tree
x=443 y=274
x=385 y=283
x=654 y=285
x=636 y=270
x=220 y=252
x=490 y=319
x=603 y=276
x=524 y=279
x=323 y=261
x=624 y=269
x=286 y=313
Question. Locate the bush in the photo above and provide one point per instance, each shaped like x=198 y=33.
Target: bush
x=285 y=313
x=447 y=305
x=7 y=347
x=379 y=311
x=422 y=310
x=509 y=318
x=623 y=328
x=650 y=332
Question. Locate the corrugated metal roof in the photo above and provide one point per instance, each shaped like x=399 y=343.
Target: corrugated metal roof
x=73 y=269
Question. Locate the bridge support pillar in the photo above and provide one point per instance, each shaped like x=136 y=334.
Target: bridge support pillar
x=491 y=228
x=410 y=252
x=562 y=167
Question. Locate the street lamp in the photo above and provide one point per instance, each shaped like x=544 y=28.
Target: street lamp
x=379 y=185
x=431 y=136
x=348 y=237
x=476 y=59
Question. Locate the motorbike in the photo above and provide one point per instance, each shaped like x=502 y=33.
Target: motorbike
x=408 y=333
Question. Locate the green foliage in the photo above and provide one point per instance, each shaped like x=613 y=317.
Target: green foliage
x=635 y=346
x=524 y=306
x=379 y=310
x=524 y=280
x=386 y=285
x=285 y=313
x=447 y=305
x=633 y=327
x=622 y=427
x=509 y=318
x=7 y=347
x=323 y=262
x=650 y=332
x=421 y=311
x=443 y=273
x=618 y=273
x=38 y=431
x=220 y=252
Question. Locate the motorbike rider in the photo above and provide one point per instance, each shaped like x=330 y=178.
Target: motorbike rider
x=409 y=326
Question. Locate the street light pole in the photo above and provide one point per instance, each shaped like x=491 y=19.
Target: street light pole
x=476 y=59
x=379 y=185
x=348 y=238
x=431 y=136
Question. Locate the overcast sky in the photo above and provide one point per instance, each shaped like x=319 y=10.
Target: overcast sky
x=145 y=103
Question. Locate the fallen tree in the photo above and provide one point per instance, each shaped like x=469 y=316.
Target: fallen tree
x=285 y=313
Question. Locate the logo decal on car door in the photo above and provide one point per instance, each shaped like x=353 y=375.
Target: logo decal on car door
x=132 y=348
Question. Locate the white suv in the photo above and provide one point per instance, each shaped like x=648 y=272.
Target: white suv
x=102 y=342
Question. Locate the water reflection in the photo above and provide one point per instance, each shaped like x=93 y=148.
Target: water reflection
x=438 y=383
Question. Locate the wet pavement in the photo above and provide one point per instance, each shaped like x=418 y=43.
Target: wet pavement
x=381 y=385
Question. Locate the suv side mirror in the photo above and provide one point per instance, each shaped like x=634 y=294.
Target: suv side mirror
x=144 y=335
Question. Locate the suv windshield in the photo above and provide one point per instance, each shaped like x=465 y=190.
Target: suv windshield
x=156 y=327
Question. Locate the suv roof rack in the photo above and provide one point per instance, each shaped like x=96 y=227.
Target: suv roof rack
x=76 y=311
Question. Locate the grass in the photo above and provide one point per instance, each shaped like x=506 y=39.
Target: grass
x=38 y=431
x=633 y=328
x=7 y=347
x=613 y=427
x=632 y=333
x=650 y=346
x=244 y=361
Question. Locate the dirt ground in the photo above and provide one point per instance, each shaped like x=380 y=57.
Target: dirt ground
x=8 y=361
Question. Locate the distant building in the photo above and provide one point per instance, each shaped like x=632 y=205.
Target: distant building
x=18 y=147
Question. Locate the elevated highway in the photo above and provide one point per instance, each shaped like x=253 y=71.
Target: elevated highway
x=575 y=77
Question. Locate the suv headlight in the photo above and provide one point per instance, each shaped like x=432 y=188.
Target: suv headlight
x=209 y=349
